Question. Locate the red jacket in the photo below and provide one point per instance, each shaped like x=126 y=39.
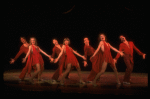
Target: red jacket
x=128 y=51
x=23 y=49
x=88 y=50
x=56 y=50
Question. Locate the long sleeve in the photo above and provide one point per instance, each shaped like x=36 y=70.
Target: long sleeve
x=137 y=50
x=53 y=54
x=118 y=55
x=85 y=51
x=18 y=54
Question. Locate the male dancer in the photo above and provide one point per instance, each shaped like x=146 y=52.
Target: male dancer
x=56 y=50
x=127 y=47
x=89 y=51
x=23 y=49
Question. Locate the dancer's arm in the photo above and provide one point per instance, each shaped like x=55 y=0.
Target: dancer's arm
x=18 y=54
x=99 y=46
x=24 y=59
x=121 y=53
x=75 y=52
x=60 y=54
x=138 y=51
x=44 y=53
x=53 y=55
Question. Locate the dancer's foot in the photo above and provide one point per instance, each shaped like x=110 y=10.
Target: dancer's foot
x=94 y=84
x=126 y=83
x=82 y=82
x=118 y=82
x=89 y=81
x=54 y=82
x=31 y=81
x=61 y=83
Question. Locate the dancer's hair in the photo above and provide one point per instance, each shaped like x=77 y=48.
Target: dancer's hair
x=102 y=34
x=66 y=39
x=22 y=37
x=34 y=39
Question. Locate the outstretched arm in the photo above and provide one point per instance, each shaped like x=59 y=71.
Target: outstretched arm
x=24 y=59
x=116 y=50
x=75 y=52
x=18 y=54
x=60 y=54
x=138 y=51
x=99 y=46
x=44 y=53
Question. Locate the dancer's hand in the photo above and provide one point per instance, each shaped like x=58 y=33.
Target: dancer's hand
x=85 y=63
x=12 y=61
x=52 y=60
x=23 y=60
x=121 y=53
x=56 y=60
x=144 y=56
x=84 y=57
x=115 y=61
x=49 y=56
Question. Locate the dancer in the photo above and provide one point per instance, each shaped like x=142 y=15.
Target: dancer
x=70 y=60
x=56 y=50
x=35 y=59
x=89 y=51
x=105 y=57
x=23 y=49
x=127 y=47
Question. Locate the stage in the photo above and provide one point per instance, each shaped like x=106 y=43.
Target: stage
x=106 y=85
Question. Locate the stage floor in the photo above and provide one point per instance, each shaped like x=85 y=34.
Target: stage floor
x=106 y=85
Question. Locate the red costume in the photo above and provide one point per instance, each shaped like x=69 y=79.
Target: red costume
x=59 y=70
x=128 y=57
x=34 y=58
x=70 y=57
x=101 y=56
x=23 y=49
x=89 y=51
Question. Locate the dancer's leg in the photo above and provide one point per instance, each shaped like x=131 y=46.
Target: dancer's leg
x=23 y=73
x=36 y=72
x=129 y=70
x=116 y=74
x=104 y=65
x=79 y=73
x=66 y=72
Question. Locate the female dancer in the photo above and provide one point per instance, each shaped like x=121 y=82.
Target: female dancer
x=70 y=60
x=61 y=61
x=103 y=51
x=35 y=58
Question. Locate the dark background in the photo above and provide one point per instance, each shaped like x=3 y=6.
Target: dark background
x=47 y=20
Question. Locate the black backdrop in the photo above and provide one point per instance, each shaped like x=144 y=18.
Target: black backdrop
x=47 y=20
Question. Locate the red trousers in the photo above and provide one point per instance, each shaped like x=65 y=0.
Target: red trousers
x=92 y=75
x=59 y=70
x=129 y=64
x=24 y=71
